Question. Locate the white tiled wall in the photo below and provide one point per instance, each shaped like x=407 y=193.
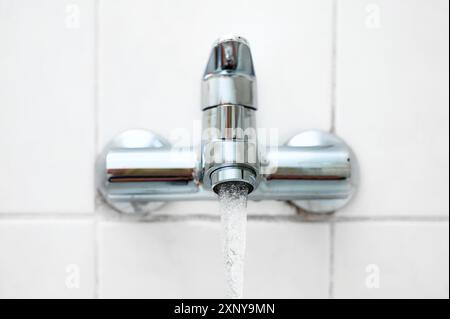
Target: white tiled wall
x=74 y=73
x=411 y=259
x=47 y=117
x=392 y=103
x=46 y=259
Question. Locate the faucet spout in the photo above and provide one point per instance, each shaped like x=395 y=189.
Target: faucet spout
x=229 y=141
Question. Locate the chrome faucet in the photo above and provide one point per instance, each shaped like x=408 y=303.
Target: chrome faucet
x=229 y=141
x=139 y=171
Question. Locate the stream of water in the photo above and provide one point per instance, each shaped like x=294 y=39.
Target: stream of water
x=233 y=209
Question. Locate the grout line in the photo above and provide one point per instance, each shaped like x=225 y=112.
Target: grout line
x=96 y=259
x=160 y=218
x=331 y=261
x=304 y=218
x=96 y=143
x=392 y=218
x=43 y=216
x=334 y=17
x=333 y=72
x=310 y=219
x=96 y=78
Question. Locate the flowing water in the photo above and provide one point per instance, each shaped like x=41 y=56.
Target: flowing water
x=233 y=208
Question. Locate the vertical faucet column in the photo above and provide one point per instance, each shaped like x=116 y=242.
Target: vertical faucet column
x=229 y=139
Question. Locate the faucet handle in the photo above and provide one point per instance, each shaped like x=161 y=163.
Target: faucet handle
x=229 y=77
x=230 y=55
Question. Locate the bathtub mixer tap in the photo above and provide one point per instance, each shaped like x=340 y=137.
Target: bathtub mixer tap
x=139 y=171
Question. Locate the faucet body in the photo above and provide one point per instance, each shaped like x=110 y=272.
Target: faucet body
x=138 y=170
x=229 y=140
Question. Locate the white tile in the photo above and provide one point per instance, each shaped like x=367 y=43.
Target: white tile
x=183 y=260
x=46 y=259
x=392 y=103
x=287 y=260
x=392 y=260
x=153 y=54
x=161 y=260
x=47 y=110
